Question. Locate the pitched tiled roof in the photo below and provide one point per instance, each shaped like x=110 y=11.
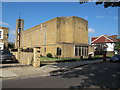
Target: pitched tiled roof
x=93 y=38
x=104 y=39
x=113 y=38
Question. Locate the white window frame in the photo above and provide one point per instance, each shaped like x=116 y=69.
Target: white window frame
x=74 y=50
x=1 y=34
x=2 y=46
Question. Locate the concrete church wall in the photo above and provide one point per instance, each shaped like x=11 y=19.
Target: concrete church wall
x=62 y=32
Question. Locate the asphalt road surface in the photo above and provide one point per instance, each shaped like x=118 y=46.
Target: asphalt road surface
x=102 y=75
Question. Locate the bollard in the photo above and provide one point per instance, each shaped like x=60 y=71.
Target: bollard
x=104 y=56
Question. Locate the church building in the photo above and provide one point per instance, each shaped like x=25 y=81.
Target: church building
x=60 y=36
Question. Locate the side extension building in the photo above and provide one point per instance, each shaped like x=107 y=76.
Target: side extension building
x=4 y=33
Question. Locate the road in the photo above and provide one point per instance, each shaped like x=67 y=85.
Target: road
x=101 y=75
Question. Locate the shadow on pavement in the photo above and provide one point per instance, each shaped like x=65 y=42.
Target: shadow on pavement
x=102 y=75
x=10 y=62
x=14 y=64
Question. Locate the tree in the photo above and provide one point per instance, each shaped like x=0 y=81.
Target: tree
x=100 y=48
x=11 y=45
x=106 y=4
x=117 y=45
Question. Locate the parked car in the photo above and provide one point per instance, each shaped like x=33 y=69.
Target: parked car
x=5 y=55
x=115 y=58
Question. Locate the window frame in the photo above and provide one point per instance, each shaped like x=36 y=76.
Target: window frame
x=2 y=46
x=1 y=33
x=59 y=51
x=80 y=50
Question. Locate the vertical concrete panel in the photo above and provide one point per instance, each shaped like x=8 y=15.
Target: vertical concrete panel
x=81 y=30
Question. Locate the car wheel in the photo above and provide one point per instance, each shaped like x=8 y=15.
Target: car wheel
x=110 y=60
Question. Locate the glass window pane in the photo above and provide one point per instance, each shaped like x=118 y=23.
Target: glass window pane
x=76 y=51
x=79 y=51
x=82 y=51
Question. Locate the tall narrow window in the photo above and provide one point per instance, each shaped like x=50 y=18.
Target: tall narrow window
x=58 y=51
x=85 y=50
x=86 y=28
x=44 y=49
x=19 y=24
x=82 y=51
x=45 y=34
x=22 y=39
x=76 y=51
x=37 y=36
x=79 y=51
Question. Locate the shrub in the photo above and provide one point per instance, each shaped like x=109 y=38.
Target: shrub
x=49 y=55
x=41 y=55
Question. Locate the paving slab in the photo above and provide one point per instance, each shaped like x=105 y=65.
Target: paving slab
x=7 y=73
x=30 y=71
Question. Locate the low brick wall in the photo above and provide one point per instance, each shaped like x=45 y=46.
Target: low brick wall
x=26 y=58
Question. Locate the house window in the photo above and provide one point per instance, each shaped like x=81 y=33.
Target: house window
x=1 y=34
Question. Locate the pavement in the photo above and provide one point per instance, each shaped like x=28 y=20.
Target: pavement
x=105 y=75
x=19 y=71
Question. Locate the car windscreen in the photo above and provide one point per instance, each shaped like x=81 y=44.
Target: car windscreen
x=5 y=52
x=116 y=56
